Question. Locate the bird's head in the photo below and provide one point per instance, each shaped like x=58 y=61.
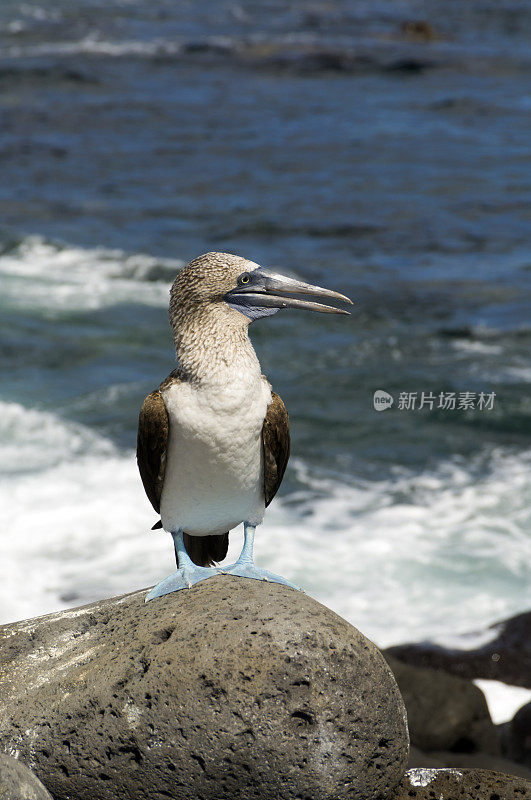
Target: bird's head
x=243 y=287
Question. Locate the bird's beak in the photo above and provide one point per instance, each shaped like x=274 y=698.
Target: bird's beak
x=268 y=290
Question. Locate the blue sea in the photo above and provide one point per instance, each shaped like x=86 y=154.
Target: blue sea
x=381 y=149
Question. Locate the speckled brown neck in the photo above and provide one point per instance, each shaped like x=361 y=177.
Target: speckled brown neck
x=212 y=343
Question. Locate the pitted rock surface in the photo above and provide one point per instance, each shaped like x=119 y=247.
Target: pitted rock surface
x=455 y=784
x=232 y=689
x=17 y=782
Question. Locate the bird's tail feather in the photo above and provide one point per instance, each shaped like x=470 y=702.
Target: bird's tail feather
x=205 y=550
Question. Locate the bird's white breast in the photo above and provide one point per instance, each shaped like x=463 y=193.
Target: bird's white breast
x=214 y=463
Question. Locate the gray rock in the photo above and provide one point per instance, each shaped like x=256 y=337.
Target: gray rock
x=17 y=782
x=516 y=736
x=504 y=656
x=437 y=758
x=232 y=689
x=445 y=712
x=467 y=784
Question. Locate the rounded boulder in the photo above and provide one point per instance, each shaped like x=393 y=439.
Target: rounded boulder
x=232 y=689
x=17 y=782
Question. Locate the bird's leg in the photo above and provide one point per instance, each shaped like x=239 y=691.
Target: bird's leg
x=187 y=573
x=244 y=567
x=181 y=554
x=246 y=555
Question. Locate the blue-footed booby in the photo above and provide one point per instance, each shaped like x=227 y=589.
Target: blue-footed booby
x=213 y=439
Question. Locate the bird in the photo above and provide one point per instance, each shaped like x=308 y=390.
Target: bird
x=213 y=440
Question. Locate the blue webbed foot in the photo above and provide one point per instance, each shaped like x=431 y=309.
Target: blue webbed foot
x=184 y=578
x=189 y=573
x=246 y=569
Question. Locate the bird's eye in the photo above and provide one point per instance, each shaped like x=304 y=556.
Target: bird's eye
x=245 y=278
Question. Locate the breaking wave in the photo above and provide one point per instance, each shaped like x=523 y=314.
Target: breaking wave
x=418 y=556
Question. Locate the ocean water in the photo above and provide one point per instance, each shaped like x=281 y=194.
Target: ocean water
x=339 y=143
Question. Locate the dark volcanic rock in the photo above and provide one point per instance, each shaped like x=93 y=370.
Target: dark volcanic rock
x=444 y=712
x=311 y=57
x=439 y=758
x=17 y=782
x=232 y=689
x=419 y=30
x=449 y=784
x=516 y=736
x=506 y=656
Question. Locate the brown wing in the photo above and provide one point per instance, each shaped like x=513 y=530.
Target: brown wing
x=153 y=427
x=276 y=445
x=152 y=441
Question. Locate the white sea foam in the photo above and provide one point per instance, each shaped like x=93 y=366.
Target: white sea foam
x=475 y=347
x=503 y=701
x=92 y=44
x=34 y=441
x=49 y=278
x=451 y=557
x=467 y=641
x=73 y=528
